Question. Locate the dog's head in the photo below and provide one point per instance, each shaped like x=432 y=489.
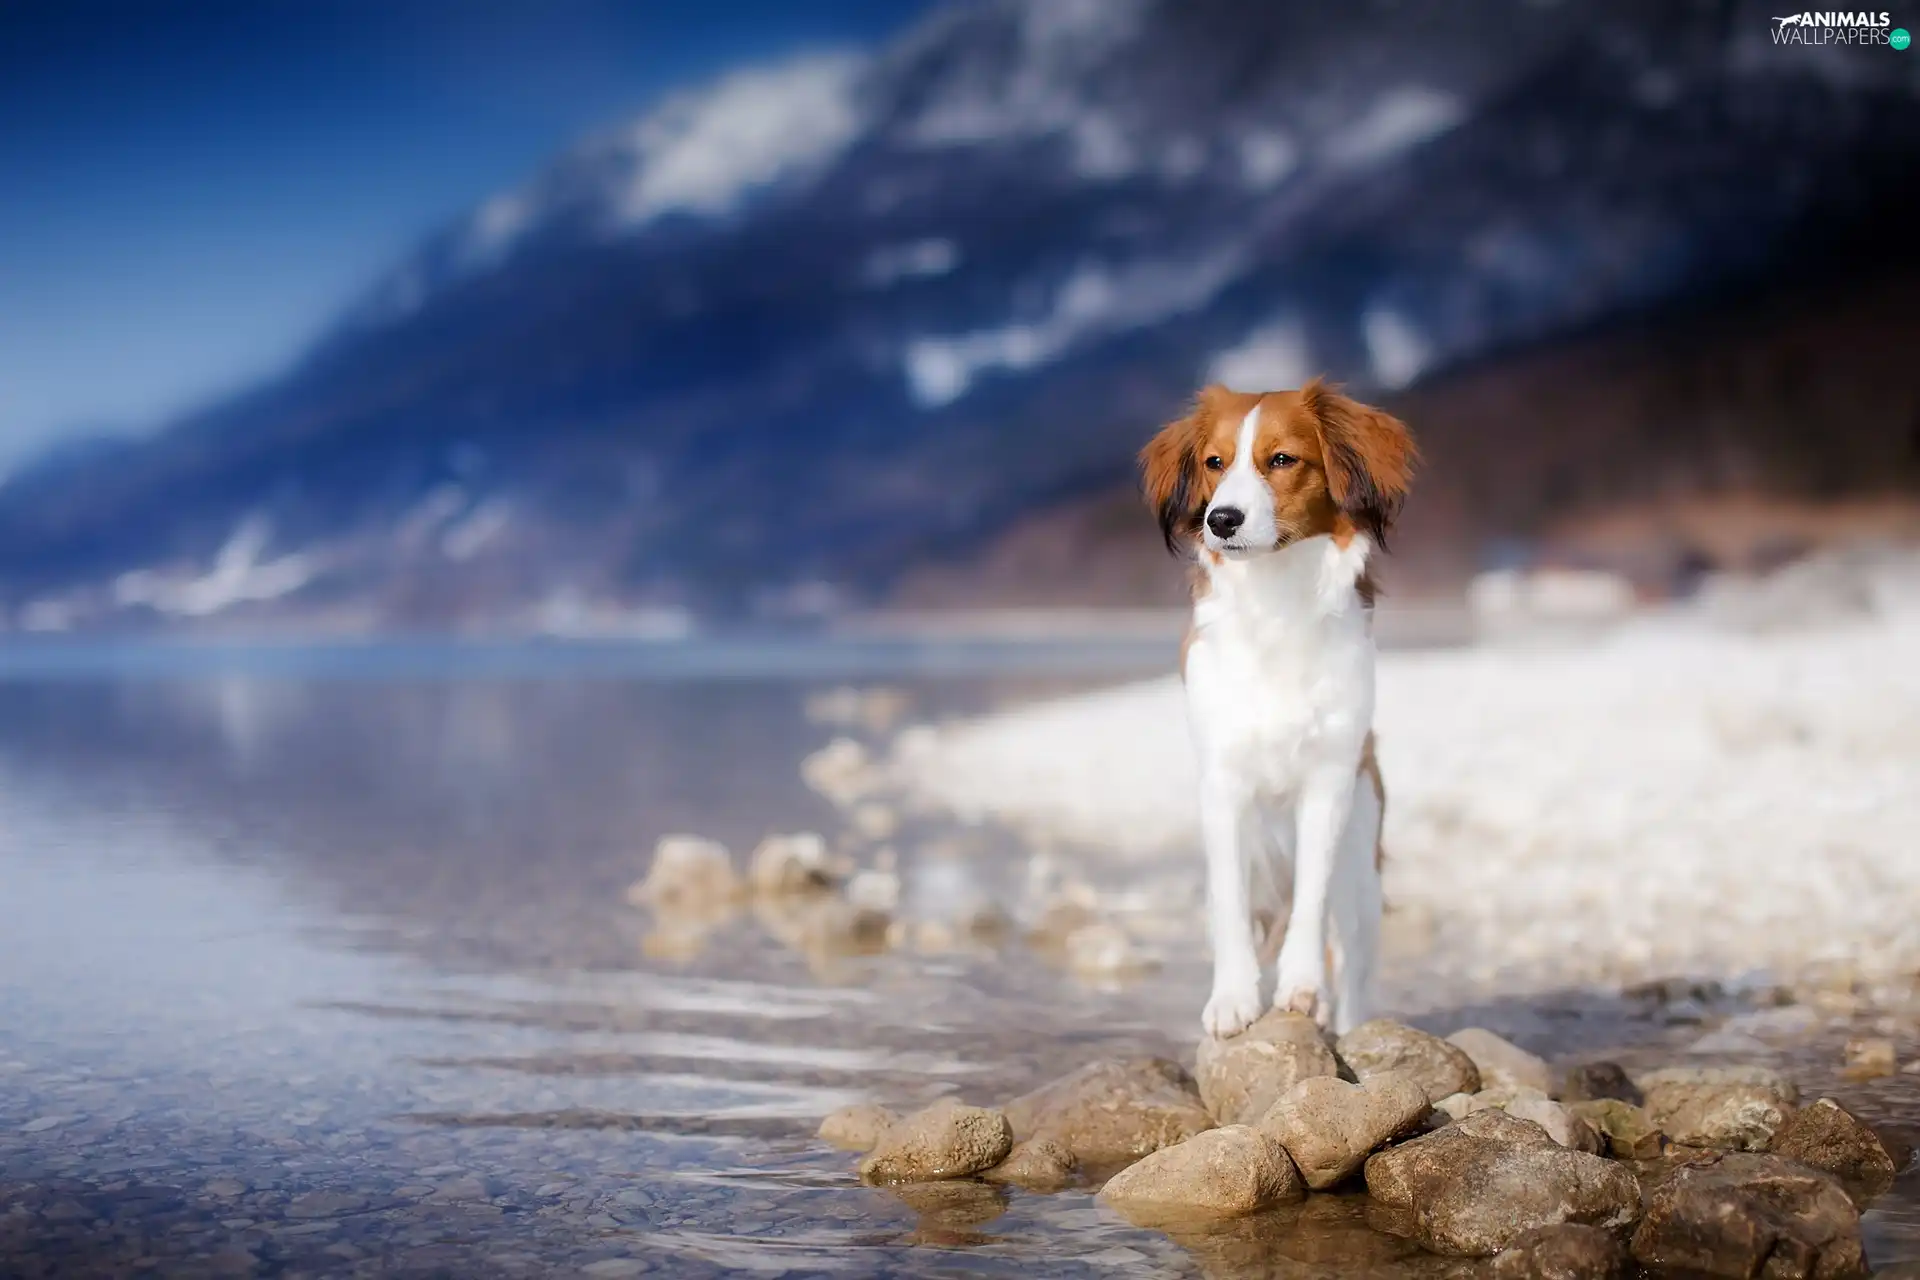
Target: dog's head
x=1247 y=473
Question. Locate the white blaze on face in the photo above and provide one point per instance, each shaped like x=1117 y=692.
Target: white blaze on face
x=1244 y=489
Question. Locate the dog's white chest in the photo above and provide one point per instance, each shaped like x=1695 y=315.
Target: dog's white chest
x=1276 y=683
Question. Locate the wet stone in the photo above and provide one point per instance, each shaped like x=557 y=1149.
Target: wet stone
x=857 y=1127
x=1828 y=1137
x=1565 y=1251
x=324 y=1204
x=1627 y=1130
x=1113 y=1112
x=1737 y=1108
x=946 y=1140
x=1739 y=1214
x=1037 y=1164
x=1222 y=1173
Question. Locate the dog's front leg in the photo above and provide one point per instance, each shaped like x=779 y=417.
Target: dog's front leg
x=1235 y=1002
x=1301 y=979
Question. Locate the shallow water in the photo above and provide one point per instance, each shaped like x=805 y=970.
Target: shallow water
x=323 y=965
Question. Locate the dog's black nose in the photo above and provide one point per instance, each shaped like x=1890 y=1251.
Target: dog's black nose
x=1224 y=520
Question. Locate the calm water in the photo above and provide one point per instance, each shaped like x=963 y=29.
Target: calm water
x=320 y=963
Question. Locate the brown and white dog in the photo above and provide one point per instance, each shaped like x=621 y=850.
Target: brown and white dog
x=1280 y=498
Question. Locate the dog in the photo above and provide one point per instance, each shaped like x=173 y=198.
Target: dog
x=1280 y=499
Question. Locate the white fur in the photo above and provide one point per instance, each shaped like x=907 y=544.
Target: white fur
x=1244 y=488
x=1279 y=680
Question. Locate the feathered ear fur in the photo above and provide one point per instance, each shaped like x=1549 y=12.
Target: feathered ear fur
x=1370 y=456
x=1170 y=472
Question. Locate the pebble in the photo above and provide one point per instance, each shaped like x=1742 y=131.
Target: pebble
x=1442 y=1069
x=858 y=1127
x=1502 y=1063
x=796 y=863
x=1596 y=1081
x=1828 y=1137
x=1330 y=1127
x=1102 y=949
x=1113 y=1111
x=1222 y=1173
x=689 y=872
x=1869 y=1058
x=1629 y=1133
x=946 y=1140
x=1242 y=1076
x=325 y=1204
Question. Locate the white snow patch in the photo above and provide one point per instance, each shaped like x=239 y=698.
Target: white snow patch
x=703 y=150
x=1270 y=358
x=1397 y=350
x=1393 y=123
x=1094 y=300
x=917 y=259
x=1266 y=158
x=1669 y=799
x=237 y=576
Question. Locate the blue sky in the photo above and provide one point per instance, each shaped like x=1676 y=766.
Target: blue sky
x=188 y=191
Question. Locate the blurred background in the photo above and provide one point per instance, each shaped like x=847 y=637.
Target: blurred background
x=572 y=594
x=632 y=319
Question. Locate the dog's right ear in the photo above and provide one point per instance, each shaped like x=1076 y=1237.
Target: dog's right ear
x=1170 y=471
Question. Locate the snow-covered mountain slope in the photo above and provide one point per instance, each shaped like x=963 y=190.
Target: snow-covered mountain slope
x=794 y=331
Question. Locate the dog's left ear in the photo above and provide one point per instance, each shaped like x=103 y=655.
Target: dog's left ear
x=1170 y=469
x=1370 y=456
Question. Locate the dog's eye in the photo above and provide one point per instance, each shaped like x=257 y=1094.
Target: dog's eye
x=1215 y=462
x=1280 y=460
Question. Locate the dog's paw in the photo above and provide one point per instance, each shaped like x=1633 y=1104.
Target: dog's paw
x=1231 y=1010
x=1305 y=1000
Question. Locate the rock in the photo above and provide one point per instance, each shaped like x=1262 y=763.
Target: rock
x=1329 y=1127
x=1392 y=1175
x=1102 y=949
x=796 y=863
x=1564 y=1251
x=842 y=771
x=1440 y=1068
x=1477 y=1195
x=1038 y=1164
x=875 y=889
x=1455 y=1106
x=1828 y=1137
x=1222 y=1173
x=688 y=872
x=1561 y=1124
x=1242 y=1076
x=952 y=1206
x=1738 y=1108
x=858 y=1127
x=1113 y=1112
x=1629 y=1134
x=1502 y=1063
x=1594 y=1081
x=1741 y=1215
x=1870 y=1058
x=947 y=1140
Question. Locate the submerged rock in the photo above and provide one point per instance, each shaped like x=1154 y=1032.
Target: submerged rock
x=1113 y=1112
x=1037 y=1164
x=688 y=872
x=1565 y=1251
x=947 y=1140
x=1828 y=1137
x=1437 y=1066
x=1222 y=1173
x=1329 y=1127
x=1741 y=1215
x=1242 y=1076
x=1503 y=1064
x=857 y=1127
x=1870 y=1058
x=1629 y=1133
x=1595 y=1081
x=1475 y=1195
x=1737 y=1108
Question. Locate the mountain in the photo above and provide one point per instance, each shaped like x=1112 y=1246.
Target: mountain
x=801 y=331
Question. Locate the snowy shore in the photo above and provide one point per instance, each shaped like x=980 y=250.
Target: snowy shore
x=1667 y=799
